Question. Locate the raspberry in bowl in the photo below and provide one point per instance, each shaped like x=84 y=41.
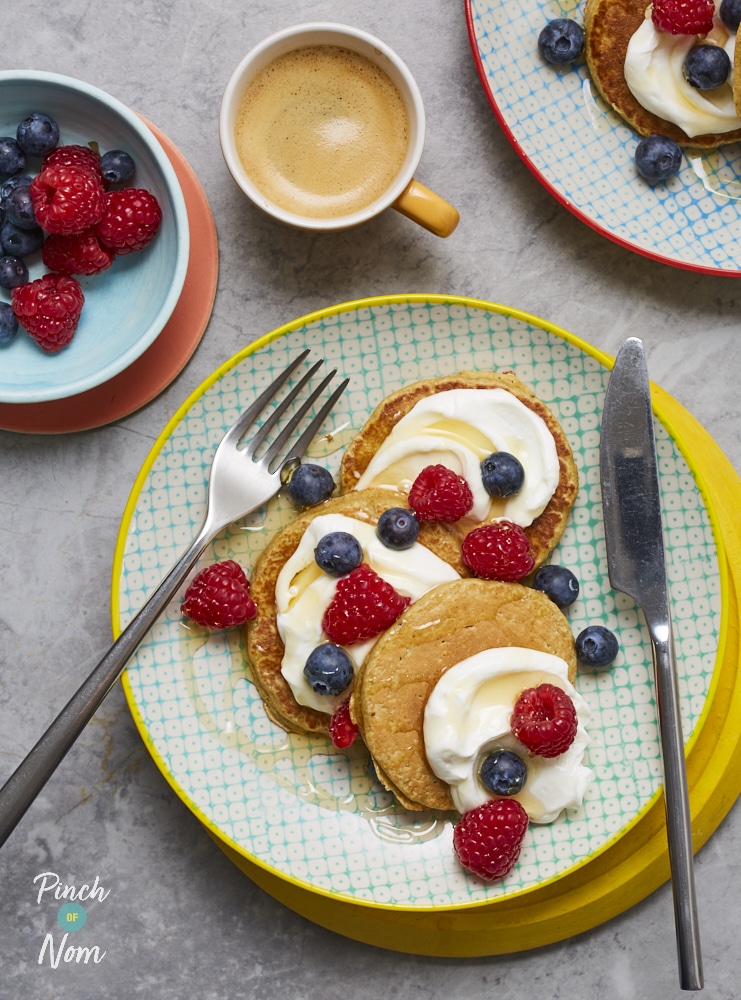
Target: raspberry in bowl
x=129 y=274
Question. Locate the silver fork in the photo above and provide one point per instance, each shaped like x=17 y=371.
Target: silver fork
x=239 y=483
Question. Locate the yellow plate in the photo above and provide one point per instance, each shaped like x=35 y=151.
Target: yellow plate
x=627 y=866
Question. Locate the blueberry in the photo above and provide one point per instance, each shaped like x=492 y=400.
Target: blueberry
x=503 y=772
x=397 y=528
x=37 y=134
x=706 y=67
x=20 y=242
x=338 y=553
x=328 y=669
x=13 y=272
x=502 y=474
x=657 y=157
x=8 y=186
x=19 y=209
x=561 y=41
x=8 y=323
x=117 y=166
x=12 y=157
x=730 y=13
x=310 y=485
x=596 y=646
x=558 y=583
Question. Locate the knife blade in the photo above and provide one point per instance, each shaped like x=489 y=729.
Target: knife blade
x=636 y=561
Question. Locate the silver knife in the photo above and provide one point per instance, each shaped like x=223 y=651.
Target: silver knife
x=637 y=567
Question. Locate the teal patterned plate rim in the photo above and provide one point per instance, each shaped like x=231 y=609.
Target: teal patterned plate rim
x=582 y=151
x=295 y=805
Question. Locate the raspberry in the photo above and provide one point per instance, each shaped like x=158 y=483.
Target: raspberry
x=439 y=494
x=342 y=730
x=488 y=838
x=683 y=17
x=67 y=199
x=498 y=551
x=132 y=217
x=73 y=156
x=49 y=309
x=544 y=720
x=219 y=596
x=363 y=606
x=80 y=253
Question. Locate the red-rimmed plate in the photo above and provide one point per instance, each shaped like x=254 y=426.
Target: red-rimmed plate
x=582 y=151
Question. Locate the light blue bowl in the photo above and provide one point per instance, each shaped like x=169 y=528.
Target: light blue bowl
x=127 y=306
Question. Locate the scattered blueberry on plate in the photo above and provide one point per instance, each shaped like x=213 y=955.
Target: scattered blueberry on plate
x=596 y=646
x=558 y=583
x=338 y=553
x=561 y=41
x=502 y=474
x=328 y=669
x=398 y=528
x=310 y=485
x=658 y=157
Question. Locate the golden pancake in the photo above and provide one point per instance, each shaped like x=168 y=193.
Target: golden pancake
x=546 y=529
x=608 y=27
x=265 y=647
x=447 y=625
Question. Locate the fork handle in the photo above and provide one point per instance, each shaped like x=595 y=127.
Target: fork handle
x=25 y=783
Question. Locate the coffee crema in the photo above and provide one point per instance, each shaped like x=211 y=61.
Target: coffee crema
x=322 y=131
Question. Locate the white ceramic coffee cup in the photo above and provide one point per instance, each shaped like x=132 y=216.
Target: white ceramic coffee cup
x=405 y=194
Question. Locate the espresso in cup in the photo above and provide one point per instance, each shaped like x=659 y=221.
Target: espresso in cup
x=322 y=126
x=322 y=131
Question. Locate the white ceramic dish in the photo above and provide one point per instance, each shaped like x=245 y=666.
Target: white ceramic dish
x=127 y=306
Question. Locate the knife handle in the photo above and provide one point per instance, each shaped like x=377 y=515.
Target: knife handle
x=678 y=817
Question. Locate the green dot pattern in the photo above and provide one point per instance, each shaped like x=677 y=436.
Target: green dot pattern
x=294 y=803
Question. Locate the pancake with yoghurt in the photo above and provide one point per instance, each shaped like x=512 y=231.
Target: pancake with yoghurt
x=436 y=692
x=457 y=421
x=638 y=71
x=292 y=593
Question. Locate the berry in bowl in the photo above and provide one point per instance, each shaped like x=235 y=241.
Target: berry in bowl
x=94 y=237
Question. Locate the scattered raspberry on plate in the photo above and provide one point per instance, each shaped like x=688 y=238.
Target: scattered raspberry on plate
x=488 y=839
x=683 y=17
x=342 y=730
x=498 y=551
x=544 y=720
x=363 y=606
x=219 y=596
x=439 y=494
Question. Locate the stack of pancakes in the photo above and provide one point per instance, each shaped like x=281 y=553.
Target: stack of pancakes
x=468 y=615
x=608 y=27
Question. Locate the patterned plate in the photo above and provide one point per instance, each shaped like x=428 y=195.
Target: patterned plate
x=582 y=151
x=296 y=806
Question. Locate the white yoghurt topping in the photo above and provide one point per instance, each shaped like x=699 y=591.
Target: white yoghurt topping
x=303 y=592
x=653 y=73
x=468 y=715
x=458 y=429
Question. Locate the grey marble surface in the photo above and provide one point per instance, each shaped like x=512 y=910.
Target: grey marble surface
x=180 y=920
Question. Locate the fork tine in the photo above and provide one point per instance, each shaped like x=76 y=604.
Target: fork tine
x=308 y=435
x=244 y=420
x=257 y=439
x=297 y=418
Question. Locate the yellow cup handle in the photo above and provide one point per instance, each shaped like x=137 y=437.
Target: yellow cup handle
x=427 y=209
